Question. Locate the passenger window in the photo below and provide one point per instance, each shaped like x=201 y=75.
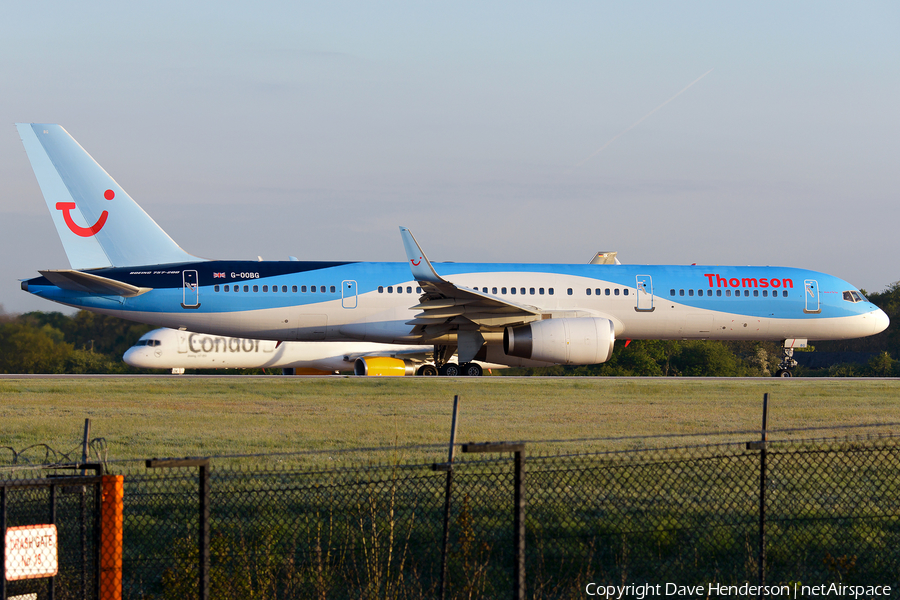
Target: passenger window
x=265 y=288
x=756 y=293
x=303 y=289
x=512 y=290
x=728 y=293
x=541 y=291
x=617 y=291
x=390 y=289
x=588 y=291
x=681 y=292
x=484 y=290
x=522 y=291
x=550 y=291
x=625 y=291
x=418 y=290
x=607 y=291
x=227 y=288
x=333 y=289
x=255 y=289
x=672 y=292
x=746 y=293
x=409 y=289
x=502 y=290
x=690 y=292
x=569 y=291
x=718 y=292
x=380 y=289
x=597 y=291
x=216 y=288
x=531 y=291
x=494 y=291
x=312 y=289
x=246 y=288
x=322 y=289
x=765 y=293
x=784 y=293
x=294 y=289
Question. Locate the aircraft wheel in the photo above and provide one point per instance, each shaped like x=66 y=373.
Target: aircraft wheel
x=450 y=370
x=783 y=373
x=471 y=369
x=427 y=371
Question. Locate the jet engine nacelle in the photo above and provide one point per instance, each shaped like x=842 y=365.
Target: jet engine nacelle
x=383 y=366
x=581 y=341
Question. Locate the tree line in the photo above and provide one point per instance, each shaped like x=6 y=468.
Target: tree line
x=90 y=343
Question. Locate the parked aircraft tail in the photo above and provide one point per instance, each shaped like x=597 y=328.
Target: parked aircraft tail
x=99 y=224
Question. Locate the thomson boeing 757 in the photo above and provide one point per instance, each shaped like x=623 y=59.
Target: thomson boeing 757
x=124 y=264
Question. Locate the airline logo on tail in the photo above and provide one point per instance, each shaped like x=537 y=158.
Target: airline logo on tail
x=77 y=229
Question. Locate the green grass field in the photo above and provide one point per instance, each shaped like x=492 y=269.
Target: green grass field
x=183 y=416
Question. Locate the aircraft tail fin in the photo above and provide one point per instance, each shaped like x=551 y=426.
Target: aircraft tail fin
x=98 y=222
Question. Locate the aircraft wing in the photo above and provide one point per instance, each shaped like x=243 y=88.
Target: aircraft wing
x=447 y=306
x=444 y=300
x=78 y=281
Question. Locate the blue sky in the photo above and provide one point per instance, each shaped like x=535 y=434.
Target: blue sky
x=315 y=130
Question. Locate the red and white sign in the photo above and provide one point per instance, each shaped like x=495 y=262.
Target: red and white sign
x=31 y=552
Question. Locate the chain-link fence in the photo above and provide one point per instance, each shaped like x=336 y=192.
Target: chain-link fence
x=814 y=512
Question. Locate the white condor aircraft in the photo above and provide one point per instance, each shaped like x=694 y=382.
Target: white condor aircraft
x=179 y=350
x=124 y=264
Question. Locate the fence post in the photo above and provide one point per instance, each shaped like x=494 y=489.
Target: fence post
x=762 y=446
x=519 y=523
x=112 y=502
x=3 y=545
x=203 y=542
x=51 y=581
x=518 y=506
x=447 y=494
x=204 y=531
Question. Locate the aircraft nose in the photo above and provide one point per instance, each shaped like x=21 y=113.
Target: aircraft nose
x=133 y=356
x=881 y=321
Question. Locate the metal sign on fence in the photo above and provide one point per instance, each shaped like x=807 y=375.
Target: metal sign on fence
x=31 y=552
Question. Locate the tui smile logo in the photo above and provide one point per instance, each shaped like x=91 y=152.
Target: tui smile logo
x=66 y=208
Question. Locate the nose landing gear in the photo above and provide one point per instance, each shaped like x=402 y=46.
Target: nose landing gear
x=787 y=357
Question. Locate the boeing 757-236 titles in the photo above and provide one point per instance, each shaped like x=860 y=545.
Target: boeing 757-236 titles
x=124 y=264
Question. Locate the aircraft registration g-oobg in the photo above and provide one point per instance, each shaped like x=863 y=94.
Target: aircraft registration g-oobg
x=124 y=264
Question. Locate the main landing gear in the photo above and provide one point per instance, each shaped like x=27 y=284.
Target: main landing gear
x=443 y=367
x=465 y=370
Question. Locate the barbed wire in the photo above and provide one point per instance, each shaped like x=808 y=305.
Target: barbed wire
x=99 y=447
x=54 y=458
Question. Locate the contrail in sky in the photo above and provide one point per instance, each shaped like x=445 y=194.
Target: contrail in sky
x=641 y=120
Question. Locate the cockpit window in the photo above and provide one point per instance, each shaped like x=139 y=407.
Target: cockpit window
x=148 y=343
x=854 y=296
x=848 y=296
x=859 y=297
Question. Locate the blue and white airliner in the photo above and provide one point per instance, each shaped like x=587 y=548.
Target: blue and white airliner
x=124 y=264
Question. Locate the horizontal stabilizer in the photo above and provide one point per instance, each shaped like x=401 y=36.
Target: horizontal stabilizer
x=77 y=281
